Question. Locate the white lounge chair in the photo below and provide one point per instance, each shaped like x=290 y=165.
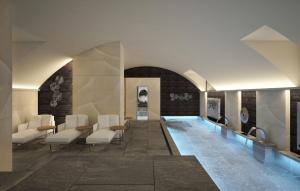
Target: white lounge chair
x=101 y=130
x=67 y=131
x=28 y=131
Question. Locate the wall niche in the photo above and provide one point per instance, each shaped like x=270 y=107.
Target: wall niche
x=178 y=97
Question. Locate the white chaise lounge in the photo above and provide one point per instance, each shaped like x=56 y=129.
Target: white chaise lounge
x=28 y=131
x=67 y=131
x=101 y=130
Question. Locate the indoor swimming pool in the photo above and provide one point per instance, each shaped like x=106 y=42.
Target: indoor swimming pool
x=228 y=161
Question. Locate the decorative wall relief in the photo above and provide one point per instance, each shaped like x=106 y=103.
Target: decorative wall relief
x=142 y=103
x=244 y=115
x=181 y=97
x=55 y=95
x=142 y=96
x=249 y=102
x=214 y=108
x=214 y=116
x=54 y=87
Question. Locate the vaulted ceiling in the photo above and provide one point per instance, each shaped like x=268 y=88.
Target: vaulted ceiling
x=199 y=37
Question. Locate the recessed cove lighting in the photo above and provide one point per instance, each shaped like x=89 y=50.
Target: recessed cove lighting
x=198 y=80
x=24 y=87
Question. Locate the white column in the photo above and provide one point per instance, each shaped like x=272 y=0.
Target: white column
x=203 y=104
x=5 y=87
x=233 y=101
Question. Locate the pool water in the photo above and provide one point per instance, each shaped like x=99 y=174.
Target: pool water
x=229 y=162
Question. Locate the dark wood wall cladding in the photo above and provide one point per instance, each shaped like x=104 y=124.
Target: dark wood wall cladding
x=220 y=95
x=249 y=101
x=64 y=107
x=295 y=97
x=171 y=83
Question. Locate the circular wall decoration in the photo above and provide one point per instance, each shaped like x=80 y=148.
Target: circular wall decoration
x=244 y=115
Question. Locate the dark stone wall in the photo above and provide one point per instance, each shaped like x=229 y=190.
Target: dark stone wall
x=220 y=95
x=64 y=106
x=171 y=82
x=249 y=101
x=295 y=97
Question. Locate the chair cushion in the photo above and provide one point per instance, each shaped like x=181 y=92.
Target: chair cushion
x=26 y=135
x=100 y=136
x=35 y=122
x=47 y=120
x=63 y=137
x=82 y=120
x=71 y=121
x=103 y=121
x=114 y=120
x=22 y=127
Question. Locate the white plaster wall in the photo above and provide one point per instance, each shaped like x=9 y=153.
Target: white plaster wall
x=232 y=108
x=5 y=86
x=273 y=115
x=24 y=106
x=98 y=84
x=203 y=104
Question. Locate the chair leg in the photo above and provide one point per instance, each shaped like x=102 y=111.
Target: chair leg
x=50 y=147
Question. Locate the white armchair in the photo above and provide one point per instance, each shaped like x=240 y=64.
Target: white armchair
x=67 y=131
x=22 y=127
x=29 y=131
x=101 y=130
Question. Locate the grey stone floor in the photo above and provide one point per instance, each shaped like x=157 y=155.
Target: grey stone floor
x=142 y=162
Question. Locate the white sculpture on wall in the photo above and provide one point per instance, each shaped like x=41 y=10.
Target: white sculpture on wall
x=181 y=97
x=54 y=87
x=244 y=115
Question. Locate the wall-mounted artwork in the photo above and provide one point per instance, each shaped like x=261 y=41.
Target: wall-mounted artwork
x=142 y=103
x=55 y=94
x=181 y=97
x=54 y=87
x=142 y=96
x=214 y=108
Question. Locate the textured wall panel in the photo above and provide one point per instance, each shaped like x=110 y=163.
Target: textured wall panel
x=98 y=81
x=295 y=97
x=24 y=107
x=45 y=94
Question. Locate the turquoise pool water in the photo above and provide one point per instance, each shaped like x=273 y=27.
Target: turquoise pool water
x=228 y=161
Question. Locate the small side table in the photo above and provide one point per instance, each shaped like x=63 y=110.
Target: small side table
x=86 y=128
x=45 y=128
x=86 y=131
x=128 y=118
x=119 y=128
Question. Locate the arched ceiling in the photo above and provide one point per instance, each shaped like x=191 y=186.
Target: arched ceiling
x=202 y=36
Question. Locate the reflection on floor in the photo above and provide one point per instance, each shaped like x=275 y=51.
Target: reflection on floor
x=230 y=165
x=141 y=162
